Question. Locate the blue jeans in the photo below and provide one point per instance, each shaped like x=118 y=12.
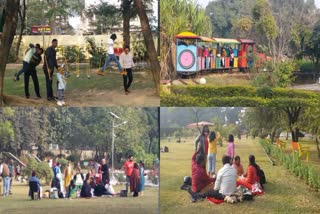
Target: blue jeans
x=211 y=163
x=127 y=183
x=6 y=185
x=108 y=60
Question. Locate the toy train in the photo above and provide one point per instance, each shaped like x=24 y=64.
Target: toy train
x=197 y=53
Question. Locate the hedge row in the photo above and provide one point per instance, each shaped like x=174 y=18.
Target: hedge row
x=294 y=164
x=181 y=100
x=242 y=91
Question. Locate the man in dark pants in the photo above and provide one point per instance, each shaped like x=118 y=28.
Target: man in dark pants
x=105 y=172
x=50 y=62
x=26 y=60
x=31 y=71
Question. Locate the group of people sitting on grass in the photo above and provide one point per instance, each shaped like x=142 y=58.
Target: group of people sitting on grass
x=95 y=183
x=231 y=183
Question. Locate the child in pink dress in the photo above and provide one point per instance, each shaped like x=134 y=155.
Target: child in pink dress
x=230 y=148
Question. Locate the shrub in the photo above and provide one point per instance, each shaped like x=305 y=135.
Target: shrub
x=262 y=80
x=72 y=53
x=306 y=66
x=265 y=92
x=73 y=158
x=282 y=75
x=42 y=169
x=237 y=96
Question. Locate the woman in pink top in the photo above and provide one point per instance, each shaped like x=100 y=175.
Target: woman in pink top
x=230 y=148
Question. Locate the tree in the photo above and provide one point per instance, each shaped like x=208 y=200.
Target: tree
x=148 y=39
x=265 y=24
x=293 y=114
x=11 y=9
x=106 y=17
x=22 y=18
x=311 y=123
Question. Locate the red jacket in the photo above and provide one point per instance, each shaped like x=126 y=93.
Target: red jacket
x=252 y=176
x=200 y=178
x=128 y=167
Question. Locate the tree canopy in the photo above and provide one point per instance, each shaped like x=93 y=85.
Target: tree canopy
x=78 y=129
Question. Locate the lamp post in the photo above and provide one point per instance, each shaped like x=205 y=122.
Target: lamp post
x=113 y=135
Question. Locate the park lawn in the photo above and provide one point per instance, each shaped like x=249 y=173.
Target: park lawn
x=285 y=193
x=81 y=91
x=221 y=79
x=20 y=203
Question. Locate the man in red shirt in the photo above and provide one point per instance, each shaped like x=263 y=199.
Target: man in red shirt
x=128 y=167
x=201 y=182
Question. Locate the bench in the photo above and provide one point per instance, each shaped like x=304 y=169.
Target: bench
x=281 y=144
x=302 y=150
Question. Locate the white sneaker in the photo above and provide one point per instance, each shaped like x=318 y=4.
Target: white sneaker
x=63 y=102
x=59 y=103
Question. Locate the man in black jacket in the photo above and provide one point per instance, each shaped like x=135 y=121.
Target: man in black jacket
x=50 y=63
x=105 y=172
x=31 y=71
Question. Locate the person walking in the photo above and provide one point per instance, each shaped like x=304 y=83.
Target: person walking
x=126 y=61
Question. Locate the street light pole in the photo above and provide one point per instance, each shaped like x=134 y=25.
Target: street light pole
x=113 y=146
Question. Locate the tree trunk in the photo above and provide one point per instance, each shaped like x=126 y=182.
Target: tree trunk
x=22 y=16
x=126 y=15
x=148 y=38
x=9 y=30
x=318 y=148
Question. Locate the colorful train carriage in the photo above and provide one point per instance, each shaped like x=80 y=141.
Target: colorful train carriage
x=197 y=53
x=192 y=53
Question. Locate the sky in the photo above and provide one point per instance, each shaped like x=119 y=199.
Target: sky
x=204 y=3
x=75 y=21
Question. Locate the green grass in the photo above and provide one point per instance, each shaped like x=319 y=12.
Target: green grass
x=227 y=79
x=284 y=192
x=80 y=89
x=19 y=202
x=112 y=81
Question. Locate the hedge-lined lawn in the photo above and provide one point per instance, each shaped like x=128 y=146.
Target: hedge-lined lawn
x=314 y=159
x=284 y=192
x=20 y=203
x=231 y=96
x=97 y=91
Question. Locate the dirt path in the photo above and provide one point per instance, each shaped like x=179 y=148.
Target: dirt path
x=309 y=87
x=94 y=98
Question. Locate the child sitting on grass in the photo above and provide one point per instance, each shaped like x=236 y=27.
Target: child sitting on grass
x=61 y=86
